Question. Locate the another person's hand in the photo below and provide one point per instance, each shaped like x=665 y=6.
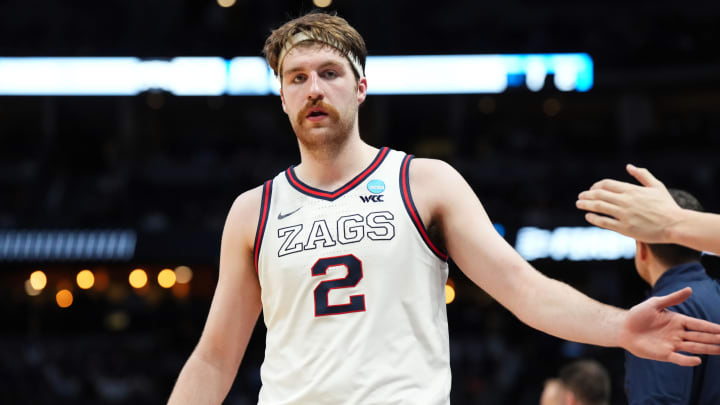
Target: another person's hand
x=652 y=332
x=641 y=212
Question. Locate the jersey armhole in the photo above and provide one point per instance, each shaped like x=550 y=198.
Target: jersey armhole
x=262 y=221
x=412 y=210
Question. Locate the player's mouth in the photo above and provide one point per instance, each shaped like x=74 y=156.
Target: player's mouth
x=316 y=114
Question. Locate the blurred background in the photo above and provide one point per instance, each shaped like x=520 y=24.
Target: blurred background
x=113 y=184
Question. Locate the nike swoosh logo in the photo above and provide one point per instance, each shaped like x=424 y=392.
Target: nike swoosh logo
x=282 y=216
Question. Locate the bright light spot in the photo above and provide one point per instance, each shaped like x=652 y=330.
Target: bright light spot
x=38 y=280
x=322 y=3
x=565 y=77
x=535 y=76
x=455 y=74
x=573 y=243
x=64 y=298
x=166 y=278
x=138 y=278
x=183 y=274
x=30 y=290
x=432 y=74
x=449 y=293
x=85 y=279
x=226 y=3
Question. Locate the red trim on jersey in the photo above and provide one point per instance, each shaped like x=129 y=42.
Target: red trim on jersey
x=302 y=187
x=262 y=221
x=412 y=210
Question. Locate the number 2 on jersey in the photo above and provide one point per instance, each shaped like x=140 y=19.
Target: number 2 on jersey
x=354 y=275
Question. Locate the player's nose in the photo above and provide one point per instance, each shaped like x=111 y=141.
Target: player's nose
x=315 y=91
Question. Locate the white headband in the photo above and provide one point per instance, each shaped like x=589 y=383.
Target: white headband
x=302 y=36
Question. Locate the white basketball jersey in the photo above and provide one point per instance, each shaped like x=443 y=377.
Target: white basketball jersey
x=353 y=292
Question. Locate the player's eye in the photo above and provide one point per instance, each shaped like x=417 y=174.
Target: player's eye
x=330 y=74
x=298 y=78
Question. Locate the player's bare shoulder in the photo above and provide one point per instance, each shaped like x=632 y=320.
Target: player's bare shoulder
x=241 y=222
x=432 y=182
x=433 y=176
x=431 y=170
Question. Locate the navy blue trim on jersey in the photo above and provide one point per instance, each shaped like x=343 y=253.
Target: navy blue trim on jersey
x=412 y=210
x=331 y=196
x=262 y=221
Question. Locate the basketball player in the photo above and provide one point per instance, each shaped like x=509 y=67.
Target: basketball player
x=668 y=267
x=649 y=213
x=346 y=255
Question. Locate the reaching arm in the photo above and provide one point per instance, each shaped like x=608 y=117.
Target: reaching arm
x=648 y=330
x=208 y=374
x=648 y=213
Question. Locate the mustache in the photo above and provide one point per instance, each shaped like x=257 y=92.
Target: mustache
x=329 y=109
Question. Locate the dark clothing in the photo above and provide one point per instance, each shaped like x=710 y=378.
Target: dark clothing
x=654 y=382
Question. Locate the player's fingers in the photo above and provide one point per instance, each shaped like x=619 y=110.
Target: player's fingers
x=678 y=297
x=603 y=195
x=613 y=185
x=683 y=360
x=604 y=222
x=698 y=348
x=600 y=207
x=701 y=325
x=644 y=176
x=702 y=337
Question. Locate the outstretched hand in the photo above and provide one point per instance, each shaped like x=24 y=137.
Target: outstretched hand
x=640 y=212
x=651 y=331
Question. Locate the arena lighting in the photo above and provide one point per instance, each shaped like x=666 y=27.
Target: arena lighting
x=322 y=3
x=212 y=76
x=38 y=280
x=65 y=245
x=138 y=278
x=166 y=278
x=573 y=243
x=114 y=76
x=449 y=291
x=30 y=290
x=64 y=298
x=183 y=274
x=85 y=279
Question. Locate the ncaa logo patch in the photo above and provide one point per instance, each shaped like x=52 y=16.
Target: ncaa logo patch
x=376 y=186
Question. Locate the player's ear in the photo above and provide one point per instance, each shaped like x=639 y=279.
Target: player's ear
x=362 y=90
x=569 y=398
x=282 y=100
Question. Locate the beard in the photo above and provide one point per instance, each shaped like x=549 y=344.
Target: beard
x=326 y=136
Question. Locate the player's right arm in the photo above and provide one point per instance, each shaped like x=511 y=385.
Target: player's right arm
x=208 y=374
x=647 y=330
x=648 y=213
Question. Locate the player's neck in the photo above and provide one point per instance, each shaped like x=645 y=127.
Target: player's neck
x=655 y=270
x=330 y=168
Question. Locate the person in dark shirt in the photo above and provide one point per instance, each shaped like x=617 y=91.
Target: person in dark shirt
x=582 y=382
x=668 y=267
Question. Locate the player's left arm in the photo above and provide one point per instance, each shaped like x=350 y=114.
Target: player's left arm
x=648 y=330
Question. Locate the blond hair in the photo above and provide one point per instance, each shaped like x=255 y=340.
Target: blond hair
x=321 y=28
